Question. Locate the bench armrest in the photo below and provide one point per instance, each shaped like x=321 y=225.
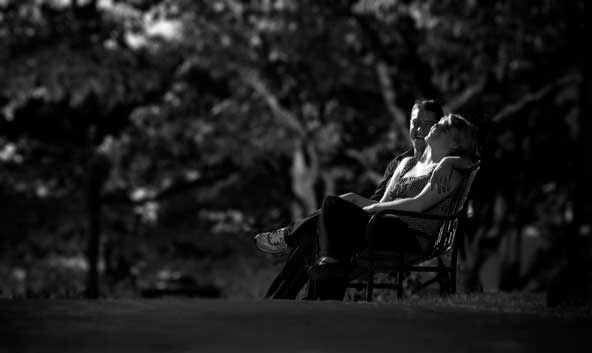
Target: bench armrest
x=386 y=213
x=414 y=215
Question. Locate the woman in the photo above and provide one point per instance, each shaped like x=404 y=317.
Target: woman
x=342 y=222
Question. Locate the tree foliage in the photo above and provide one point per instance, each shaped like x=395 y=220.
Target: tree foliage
x=199 y=108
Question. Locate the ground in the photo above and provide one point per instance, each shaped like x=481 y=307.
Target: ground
x=200 y=325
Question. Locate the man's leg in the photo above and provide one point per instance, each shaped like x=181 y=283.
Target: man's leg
x=301 y=239
x=293 y=276
x=303 y=229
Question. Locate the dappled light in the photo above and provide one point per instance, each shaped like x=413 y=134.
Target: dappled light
x=144 y=143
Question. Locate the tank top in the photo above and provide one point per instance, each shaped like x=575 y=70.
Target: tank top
x=426 y=230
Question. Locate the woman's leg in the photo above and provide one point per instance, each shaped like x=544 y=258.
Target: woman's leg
x=393 y=234
x=342 y=228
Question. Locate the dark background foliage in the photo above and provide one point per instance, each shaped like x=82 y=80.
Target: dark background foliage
x=147 y=141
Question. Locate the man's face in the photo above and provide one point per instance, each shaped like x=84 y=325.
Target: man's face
x=420 y=124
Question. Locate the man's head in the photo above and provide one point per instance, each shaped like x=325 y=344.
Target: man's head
x=424 y=114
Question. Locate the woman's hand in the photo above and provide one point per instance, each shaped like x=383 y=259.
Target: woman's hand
x=374 y=208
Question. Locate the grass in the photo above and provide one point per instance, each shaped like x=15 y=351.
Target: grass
x=502 y=302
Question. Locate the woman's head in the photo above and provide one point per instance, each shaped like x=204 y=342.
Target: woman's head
x=456 y=134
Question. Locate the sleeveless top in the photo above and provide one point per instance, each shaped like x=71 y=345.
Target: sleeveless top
x=426 y=230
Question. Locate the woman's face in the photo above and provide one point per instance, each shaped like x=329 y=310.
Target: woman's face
x=439 y=138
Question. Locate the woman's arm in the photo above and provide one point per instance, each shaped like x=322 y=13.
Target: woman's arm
x=420 y=203
x=444 y=170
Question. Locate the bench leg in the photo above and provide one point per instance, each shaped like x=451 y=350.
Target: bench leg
x=453 y=280
x=401 y=275
x=370 y=285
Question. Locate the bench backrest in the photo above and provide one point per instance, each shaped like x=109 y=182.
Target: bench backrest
x=447 y=232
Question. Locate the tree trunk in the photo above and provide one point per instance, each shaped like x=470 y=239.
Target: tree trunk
x=94 y=232
x=580 y=246
x=97 y=174
x=573 y=284
x=304 y=173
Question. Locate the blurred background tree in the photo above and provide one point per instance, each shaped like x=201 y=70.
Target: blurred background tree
x=144 y=142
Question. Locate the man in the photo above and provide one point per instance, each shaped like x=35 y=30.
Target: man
x=299 y=237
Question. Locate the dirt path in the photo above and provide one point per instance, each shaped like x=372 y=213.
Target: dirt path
x=185 y=325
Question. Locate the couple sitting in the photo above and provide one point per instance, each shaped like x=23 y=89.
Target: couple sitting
x=420 y=180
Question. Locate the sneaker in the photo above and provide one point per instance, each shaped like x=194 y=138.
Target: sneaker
x=272 y=242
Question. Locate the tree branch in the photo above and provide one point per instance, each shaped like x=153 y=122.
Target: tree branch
x=304 y=175
x=286 y=118
x=363 y=161
x=513 y=108
x=382 y=70
x=374 y=38
x=389 y=95
x=212 y=182
x=470 y=92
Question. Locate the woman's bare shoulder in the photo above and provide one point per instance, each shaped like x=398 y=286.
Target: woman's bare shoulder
x=405 y=161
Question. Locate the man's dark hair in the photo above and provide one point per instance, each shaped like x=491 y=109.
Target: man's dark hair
x=430 y=105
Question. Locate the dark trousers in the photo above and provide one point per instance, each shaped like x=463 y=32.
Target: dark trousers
x=302 y=231
x=338 y=230
x=293 y=276
x=342 y=231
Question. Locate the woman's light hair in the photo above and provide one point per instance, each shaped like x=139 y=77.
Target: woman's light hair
x=463 y=134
